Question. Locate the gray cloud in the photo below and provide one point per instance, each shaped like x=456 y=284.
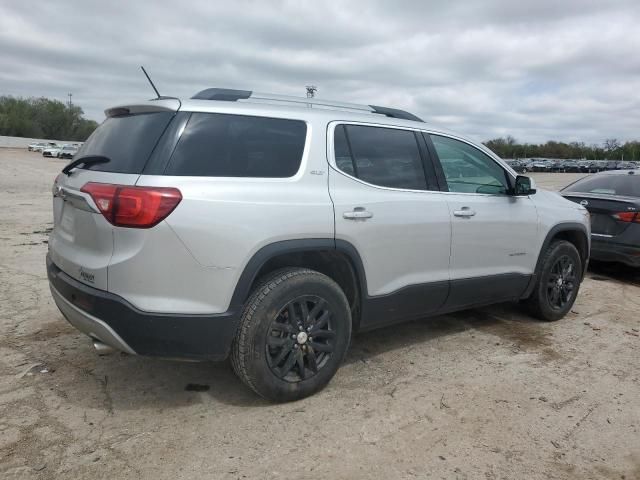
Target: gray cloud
x=538 y=70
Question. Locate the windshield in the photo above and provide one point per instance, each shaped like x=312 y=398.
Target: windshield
x=625 y=185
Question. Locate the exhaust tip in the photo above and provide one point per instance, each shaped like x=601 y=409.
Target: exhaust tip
x=103 y=348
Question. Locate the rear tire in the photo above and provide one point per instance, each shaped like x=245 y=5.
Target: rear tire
x=293 y=335
x=558 y=282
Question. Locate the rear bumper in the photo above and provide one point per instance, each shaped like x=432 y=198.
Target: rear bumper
x=609 y=251
x=115 y=322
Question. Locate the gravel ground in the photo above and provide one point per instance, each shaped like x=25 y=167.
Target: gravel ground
x=482 y=394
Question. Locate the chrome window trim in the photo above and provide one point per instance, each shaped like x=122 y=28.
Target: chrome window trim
x=331 y=160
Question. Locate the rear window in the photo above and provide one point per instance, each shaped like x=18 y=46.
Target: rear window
x=221 y=145
x=127 y=140
x=625 y=185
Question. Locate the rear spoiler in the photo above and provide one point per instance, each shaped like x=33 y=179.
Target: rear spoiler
x=162 y=104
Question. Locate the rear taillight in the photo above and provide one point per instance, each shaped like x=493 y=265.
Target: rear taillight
x=134 y=207
x=628 y=217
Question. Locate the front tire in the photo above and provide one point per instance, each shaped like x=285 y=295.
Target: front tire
x=558 y=282
x=293 y=335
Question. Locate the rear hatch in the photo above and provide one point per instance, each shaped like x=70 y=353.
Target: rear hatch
x=81 y=243
x=610 y=215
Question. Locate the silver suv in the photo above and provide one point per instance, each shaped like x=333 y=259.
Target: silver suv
x=270 y=228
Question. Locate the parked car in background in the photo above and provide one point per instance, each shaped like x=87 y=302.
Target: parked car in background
x=627 y=166
x=571 y=166
x=32 y=146
x=519 y=166
x=43 y=146
x=613 y=201
x=555 y=166
x=611 y=165
x=67 y=151
x=51 y=151
x=590 y=166
x=540 y=166
x=211 y=227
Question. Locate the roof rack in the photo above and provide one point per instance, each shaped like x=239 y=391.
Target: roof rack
x=230 y=95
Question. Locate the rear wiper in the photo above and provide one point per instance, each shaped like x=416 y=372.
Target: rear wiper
x=87 y=160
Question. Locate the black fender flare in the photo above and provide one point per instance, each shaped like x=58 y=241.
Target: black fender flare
x=553 y=231
x=272 y=250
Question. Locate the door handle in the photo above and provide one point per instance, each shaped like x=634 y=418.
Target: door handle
x=464 y=212
x=358 y=213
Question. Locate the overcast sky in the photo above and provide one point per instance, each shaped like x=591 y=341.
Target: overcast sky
x=538 y=70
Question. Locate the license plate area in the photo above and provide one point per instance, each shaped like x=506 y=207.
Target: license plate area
x=67 y=219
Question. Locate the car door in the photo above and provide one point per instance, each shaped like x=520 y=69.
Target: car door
x=387 y=207
x=493 y=233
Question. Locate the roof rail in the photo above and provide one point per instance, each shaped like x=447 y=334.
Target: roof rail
x=224 y=94
x=230 y=95
x=395 y=113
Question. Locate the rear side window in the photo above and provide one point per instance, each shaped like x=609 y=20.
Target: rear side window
x=625 y=185
x=343 y=156
x=387 y=157
x=127 y=140
x=221 y=145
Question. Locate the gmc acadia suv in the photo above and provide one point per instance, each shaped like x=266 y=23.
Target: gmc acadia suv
x=270 y=228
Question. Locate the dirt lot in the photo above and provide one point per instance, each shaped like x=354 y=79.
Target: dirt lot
x=484 y=394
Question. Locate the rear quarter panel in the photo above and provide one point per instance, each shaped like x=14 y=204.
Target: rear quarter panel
x=223 y=221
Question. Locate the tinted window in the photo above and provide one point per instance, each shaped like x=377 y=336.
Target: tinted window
x=343 y=155
x=625 y=185
x=381 y=156
x=467 y=169
x=127 y=140
x=219 y=145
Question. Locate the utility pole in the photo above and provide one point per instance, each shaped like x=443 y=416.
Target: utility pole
x=70 y=95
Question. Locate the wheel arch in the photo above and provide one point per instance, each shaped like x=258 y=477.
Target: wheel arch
x=573 y=232
x=338 y=259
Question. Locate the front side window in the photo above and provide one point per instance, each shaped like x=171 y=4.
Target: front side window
x=386 y=157
x=467 y=169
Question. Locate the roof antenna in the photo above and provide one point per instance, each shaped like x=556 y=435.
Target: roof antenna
x=149 y=78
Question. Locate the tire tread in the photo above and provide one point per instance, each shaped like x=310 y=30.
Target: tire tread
x=534 y=303
x=242 y=349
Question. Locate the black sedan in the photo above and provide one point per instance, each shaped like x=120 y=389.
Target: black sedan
x=613 y=200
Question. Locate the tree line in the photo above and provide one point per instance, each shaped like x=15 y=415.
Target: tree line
x=610 y=149
x=43 y=118
x=52 y=119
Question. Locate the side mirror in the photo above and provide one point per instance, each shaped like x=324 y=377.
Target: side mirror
x=524 y=186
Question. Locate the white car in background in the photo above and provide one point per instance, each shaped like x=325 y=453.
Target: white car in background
x=52 y=151
x=32 y=146
x=67 y=151
x=39 y=147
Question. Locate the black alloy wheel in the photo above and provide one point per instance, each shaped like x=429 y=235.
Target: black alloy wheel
x=558 y=280
x=294 y=332
x=300 y=340
x=561 y=282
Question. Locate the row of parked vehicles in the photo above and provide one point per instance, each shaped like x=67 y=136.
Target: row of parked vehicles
x=52 y=149
x=572 y=166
